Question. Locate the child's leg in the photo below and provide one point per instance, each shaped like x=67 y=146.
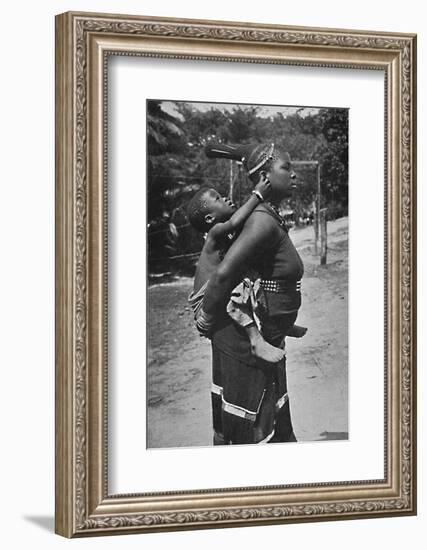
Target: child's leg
x=239 y=308
x=260 y=348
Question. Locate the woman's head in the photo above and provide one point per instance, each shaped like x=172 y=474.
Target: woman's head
x=267 y=158
x=275 y=163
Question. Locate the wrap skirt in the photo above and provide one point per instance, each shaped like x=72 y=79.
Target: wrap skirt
x=250 y=402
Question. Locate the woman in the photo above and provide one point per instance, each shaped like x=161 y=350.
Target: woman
x=249 y=397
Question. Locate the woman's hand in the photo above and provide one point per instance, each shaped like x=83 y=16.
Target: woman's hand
x=263 y=186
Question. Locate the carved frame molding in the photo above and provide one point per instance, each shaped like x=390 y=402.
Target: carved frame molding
x=83 y=43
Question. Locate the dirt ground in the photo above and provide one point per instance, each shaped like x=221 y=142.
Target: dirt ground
x=317 y=365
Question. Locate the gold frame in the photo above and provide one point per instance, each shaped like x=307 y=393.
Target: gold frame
x=83 y=43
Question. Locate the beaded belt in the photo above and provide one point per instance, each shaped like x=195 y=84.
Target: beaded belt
x=280 y=285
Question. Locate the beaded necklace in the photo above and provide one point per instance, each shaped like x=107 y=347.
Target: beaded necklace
x=278 y=217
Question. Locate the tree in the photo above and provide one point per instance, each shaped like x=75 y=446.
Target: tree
x=164 y=131
x=177 y=165
x=333 y=155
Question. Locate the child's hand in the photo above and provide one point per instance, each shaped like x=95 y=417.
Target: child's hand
x=263 y=186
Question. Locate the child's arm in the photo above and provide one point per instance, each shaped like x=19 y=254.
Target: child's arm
x=239 y=217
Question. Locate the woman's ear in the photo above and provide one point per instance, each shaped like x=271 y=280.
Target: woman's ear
x=262 y=175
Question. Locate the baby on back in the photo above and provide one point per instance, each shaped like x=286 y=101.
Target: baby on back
x=218 y=217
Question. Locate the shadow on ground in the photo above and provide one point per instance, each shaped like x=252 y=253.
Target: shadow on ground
x=330 y=436
x=45 y=522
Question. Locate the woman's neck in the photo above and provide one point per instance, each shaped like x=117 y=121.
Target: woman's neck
x=274 y=204
x=275 y=201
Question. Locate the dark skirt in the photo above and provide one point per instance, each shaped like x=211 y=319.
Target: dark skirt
x=250 y=403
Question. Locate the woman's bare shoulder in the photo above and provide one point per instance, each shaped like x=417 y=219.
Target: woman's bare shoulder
x=261 y=219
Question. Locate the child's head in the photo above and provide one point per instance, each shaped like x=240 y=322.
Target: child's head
x=207 y=208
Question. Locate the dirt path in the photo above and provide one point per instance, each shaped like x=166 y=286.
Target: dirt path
x=179 y=360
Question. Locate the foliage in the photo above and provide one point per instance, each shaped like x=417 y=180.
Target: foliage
x=177 y=165
x=333 y=155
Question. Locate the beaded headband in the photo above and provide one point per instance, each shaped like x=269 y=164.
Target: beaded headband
x=265 y=157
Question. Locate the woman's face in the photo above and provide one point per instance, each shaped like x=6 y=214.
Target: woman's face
x=282 y=177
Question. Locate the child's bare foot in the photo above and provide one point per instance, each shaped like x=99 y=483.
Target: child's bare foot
x=295 y=331
x=263 y=350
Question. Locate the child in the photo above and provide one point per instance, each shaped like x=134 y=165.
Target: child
x=218 y=217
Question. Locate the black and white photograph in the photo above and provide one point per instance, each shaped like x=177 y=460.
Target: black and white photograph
x=247 y=273
x=212 y=241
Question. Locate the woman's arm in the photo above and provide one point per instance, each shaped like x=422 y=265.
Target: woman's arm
x=257 y=236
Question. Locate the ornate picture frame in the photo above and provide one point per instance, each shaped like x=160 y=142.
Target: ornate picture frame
x=83 y=44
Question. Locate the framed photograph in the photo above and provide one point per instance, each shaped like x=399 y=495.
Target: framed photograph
x=235 y=274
